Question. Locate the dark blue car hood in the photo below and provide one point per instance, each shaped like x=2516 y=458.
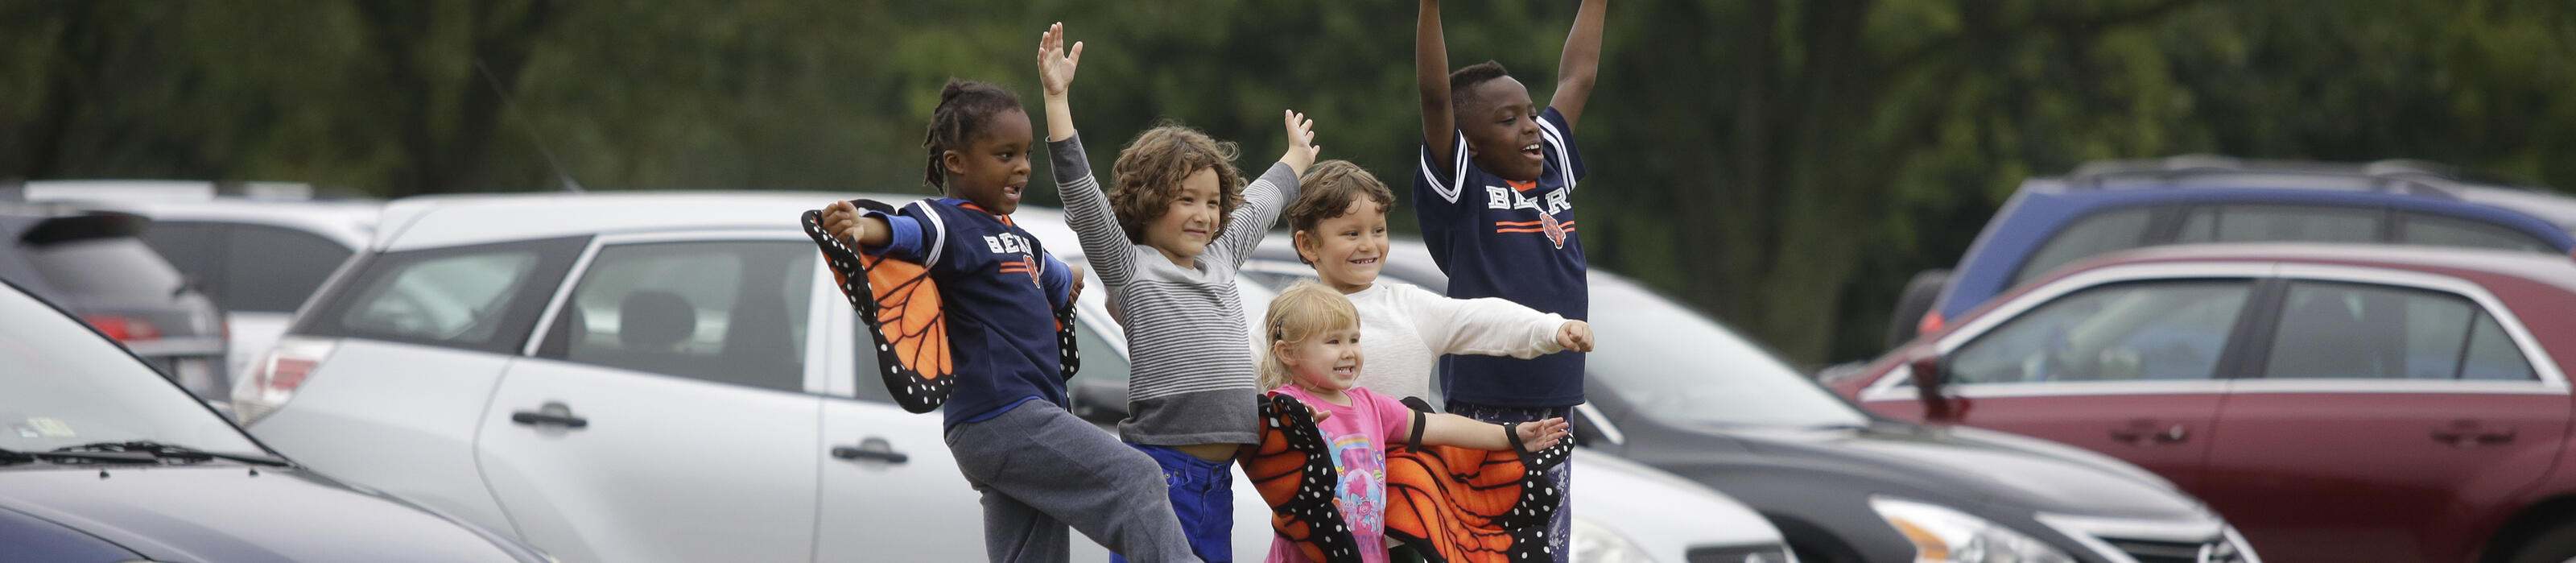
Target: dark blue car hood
x=232 y=513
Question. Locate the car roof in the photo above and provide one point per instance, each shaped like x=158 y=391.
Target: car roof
x=2557 y=271
x=453 y=220
x=2371 y=181
x=352 y=223
x=1408 y=259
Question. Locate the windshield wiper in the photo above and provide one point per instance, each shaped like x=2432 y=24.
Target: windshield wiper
x=8 y=457
x=158 y=451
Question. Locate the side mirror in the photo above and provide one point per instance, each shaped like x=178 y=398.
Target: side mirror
x=1928 y=383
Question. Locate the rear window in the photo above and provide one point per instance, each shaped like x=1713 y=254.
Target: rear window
x=119 y=268
x=2117 y=230
x=2417 y=228
x=481 y=297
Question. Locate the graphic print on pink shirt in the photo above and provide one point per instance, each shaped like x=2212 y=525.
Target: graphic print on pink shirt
x=1359 y=433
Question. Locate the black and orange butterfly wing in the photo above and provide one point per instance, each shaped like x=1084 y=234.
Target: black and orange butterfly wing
x=1464 y=505
x=901 y=307
x=1292 y=467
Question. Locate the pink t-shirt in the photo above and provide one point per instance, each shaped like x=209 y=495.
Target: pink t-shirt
x=1359 y=434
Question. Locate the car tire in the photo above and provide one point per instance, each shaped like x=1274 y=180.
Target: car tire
x=1911 y=305
x=2557 y=545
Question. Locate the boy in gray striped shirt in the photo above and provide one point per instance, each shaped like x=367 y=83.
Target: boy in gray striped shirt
x=1167 y=243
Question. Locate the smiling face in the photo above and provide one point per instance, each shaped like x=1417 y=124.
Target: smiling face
x=1190 y=219
x=993 y=168
x=1325 y=361
x=1347 y=250
x=1501 y=124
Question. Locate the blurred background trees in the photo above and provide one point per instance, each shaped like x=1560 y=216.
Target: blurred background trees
x=1784 y=164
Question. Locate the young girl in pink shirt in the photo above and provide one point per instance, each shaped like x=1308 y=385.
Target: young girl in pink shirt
x=1314 y=356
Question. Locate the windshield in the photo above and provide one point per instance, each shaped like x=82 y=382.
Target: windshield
x=62 y=385
x=1672 y=363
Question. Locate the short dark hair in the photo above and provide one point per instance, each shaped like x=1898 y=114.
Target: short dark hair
x=966 y=107
x=1467 y=78
x=1328 y=189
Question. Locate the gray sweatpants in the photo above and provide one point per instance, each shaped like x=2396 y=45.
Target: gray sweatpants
x=1041 y=469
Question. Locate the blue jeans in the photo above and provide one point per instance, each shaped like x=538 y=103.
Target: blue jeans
x=1202 y=496
x=1563 y=473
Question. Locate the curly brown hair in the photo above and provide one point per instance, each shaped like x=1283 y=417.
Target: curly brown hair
x=1149 y=173
x=1329 y=188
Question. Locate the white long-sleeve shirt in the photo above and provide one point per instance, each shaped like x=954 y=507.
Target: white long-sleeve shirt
x=1405 y=329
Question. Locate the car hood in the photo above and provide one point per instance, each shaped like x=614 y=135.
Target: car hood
x=1983 y=466
x=233 y=513
x=1664 y=514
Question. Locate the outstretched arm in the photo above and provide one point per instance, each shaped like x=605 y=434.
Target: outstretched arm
x=1580 y=64
x=1443 y=429
x=1431 y=76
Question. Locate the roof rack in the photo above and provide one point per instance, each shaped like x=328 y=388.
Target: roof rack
x=2393 y=175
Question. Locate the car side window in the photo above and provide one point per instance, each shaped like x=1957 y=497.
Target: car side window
x=2436 y=230
x=724 y=312
x=2087 y=237
x=196 y=248
x=269 y=269
x=2280 y=223
x=2157 y=330
x=2334 y=330
x=481 y=297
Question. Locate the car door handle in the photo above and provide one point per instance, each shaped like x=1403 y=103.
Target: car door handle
x=553 y=413
x=2471 y=433
x=2139 y=432
x=875 y=449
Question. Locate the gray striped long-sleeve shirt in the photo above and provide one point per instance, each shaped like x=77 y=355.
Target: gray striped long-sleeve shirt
x=1192 y=364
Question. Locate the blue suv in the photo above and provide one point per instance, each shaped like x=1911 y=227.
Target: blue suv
x=2116 y=205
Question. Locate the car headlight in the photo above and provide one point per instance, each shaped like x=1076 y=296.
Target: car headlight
x=1597 y=543
x=1941 y=534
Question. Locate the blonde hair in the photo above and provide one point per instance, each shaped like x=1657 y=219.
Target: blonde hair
x=1303 y=311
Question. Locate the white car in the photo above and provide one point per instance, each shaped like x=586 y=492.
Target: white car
x=669 y=377
x=258 y=253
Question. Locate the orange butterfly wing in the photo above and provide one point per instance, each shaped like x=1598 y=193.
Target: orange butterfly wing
x=902 y=310
x=1464 y=505
x=1293 y=470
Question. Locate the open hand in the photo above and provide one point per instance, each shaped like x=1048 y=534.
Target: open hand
x=1575 y=336
x=1056 y=64
x=1301 y=142
x=842 y=220
x=1541 y=435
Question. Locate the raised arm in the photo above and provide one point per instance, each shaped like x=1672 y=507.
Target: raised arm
x=1580 y=64
x=1086 y=208
x=1269 y=194
x=1055 y=73
x=1431 y=76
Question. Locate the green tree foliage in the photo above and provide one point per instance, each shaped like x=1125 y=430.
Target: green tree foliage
x=1785 y=164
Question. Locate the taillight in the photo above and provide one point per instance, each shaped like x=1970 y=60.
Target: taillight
x=123 y=328
x=1931 y=323
x=273 y=380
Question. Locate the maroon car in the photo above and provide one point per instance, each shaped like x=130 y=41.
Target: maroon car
x=2337 y=403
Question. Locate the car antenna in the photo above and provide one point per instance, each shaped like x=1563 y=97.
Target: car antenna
x=509 y=104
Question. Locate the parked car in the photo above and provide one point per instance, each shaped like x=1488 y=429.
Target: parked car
x=1675 y=390
x=668 y=377
x=93 y=264
x=2114 y=205
x=102 y=460
x=258 y=257
x=2339 y=403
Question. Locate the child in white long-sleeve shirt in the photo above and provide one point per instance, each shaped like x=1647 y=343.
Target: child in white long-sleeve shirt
x=1340 y=228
